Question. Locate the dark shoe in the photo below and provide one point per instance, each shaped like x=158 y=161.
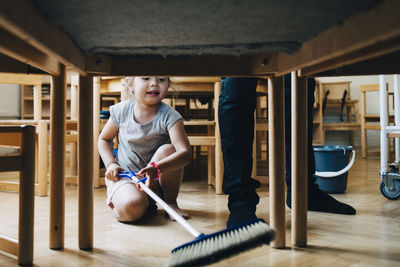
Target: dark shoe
x=242 y=207
x=237 y=218
x=322 y=202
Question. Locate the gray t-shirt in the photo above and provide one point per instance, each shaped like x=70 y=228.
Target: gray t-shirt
x=137 y=143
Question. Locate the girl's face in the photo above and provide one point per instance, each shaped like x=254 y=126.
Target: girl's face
x=150 y=90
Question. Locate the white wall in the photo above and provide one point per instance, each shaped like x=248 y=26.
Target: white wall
x=372 y=106
x=10 y=101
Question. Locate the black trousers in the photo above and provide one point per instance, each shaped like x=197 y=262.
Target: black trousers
x=236 y=120
x=237 y=104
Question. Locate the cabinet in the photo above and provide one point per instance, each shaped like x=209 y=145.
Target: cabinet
x=111 y=91
x=27 y=101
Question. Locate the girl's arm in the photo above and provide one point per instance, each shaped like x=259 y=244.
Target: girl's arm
x=182 y=155
x=105 y=146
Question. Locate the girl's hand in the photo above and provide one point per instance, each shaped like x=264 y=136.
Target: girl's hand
x=112 y=172
x=151 y=172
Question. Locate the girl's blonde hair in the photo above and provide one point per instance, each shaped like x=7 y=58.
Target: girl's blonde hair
x=128 y=87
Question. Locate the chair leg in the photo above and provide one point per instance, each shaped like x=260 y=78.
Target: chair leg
x=210 y=164
x=364 y=149
x=42 y=158
x=363 y=130
x=219 y=164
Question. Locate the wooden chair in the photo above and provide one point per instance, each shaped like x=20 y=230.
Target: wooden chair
x=42 y=140
x=337 y=95
x=24 y=162
x=370 y=121
x=193 y=87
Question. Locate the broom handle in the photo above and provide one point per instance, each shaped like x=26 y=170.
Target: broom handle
x=167 y=208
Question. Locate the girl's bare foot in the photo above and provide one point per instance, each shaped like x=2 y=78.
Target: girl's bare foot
x=182 y=213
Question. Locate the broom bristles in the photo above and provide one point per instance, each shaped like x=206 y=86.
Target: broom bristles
x=206 y=249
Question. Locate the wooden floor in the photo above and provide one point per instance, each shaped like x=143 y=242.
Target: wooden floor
x=371 y=238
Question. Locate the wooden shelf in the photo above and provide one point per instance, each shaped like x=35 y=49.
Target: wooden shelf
x=27 y=99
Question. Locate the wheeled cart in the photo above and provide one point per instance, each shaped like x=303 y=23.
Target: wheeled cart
x=389 y=173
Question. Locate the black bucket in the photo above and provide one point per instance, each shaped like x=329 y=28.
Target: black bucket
x=332 y=159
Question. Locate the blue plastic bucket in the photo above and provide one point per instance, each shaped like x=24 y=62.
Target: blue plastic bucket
x=332 y=159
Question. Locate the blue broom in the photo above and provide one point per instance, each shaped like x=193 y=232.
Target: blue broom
x=206 y=249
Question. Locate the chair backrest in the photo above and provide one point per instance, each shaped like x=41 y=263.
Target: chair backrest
x=365 y=88
x=372 y=87
x=336 y=90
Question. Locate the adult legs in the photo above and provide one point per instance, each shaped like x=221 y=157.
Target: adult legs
x=317 y=199
x=236 y=121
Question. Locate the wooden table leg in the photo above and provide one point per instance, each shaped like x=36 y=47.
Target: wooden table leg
x=299 y=160
x=57 y=162
x=276 y=133
x=26 y=197
x=85 y=166
x=96 y=131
